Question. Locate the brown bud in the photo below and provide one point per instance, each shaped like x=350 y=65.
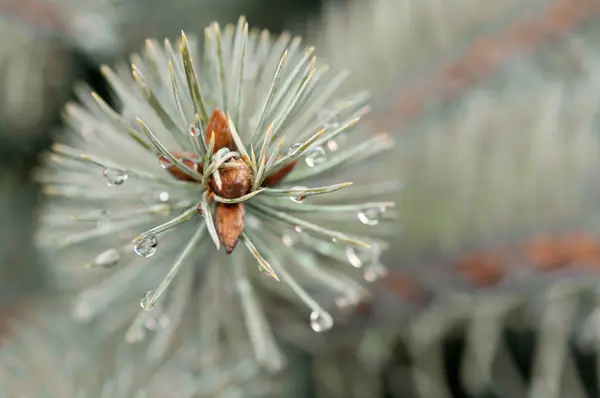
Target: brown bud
x=236 y=180
x=219 y=126
x=230 y=223
x=189 y=159
x=279 y=175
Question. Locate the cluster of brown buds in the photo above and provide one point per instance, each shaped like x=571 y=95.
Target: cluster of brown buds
x=235 y=179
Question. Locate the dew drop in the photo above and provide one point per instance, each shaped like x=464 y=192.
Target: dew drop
x=293 y=148
x=316 y=157
x=108 y=258
x=164 y=162
x=299 y=199
x=146 y=246
x=298 y=229
x=353 y=257
x=114 y=177
x=163 y=196
x=321 y=321
x=146 y=302
x=332 y=145
x=371 y=215
x=194 y=131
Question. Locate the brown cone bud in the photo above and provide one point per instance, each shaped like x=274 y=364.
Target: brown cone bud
x=189 y=159
x=219 y=126
x=279 y=175
x=236 y=180
x=230 y=224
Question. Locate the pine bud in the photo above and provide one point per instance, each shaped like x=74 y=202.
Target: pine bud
x=230 y=224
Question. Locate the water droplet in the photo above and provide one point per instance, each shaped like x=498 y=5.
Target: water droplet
x=299 y=199
x=164 y=162
x=353 y=257
x=332 y=145
x=160 y=321
x=320 y=321
x=298 y=229
x=114 y=177
x=152 y=197
x=194 y=131
x=108 y=258
x=316 y=157
x=146 y=246
x=371 y=215
x=293 y=148
x=146 y=303
x=163 y=196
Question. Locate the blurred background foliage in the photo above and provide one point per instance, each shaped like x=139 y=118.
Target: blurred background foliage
x=492 y=288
